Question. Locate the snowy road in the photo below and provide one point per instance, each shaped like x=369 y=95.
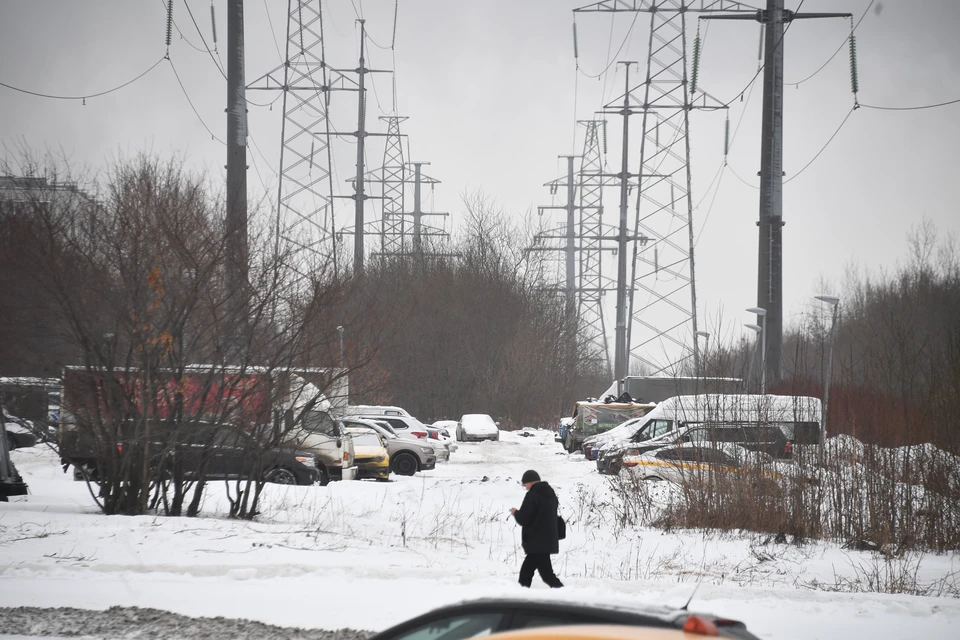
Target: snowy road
x=366 y=555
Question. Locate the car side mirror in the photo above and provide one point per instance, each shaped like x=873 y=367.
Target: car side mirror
x=288 y=419
x=497 y=423
x=339 y=443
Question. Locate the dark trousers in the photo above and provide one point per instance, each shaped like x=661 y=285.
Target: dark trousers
x=538 y=562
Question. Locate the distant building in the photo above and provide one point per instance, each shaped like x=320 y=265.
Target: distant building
x=24 y=195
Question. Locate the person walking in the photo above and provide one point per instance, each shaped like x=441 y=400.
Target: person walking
x=540 y=536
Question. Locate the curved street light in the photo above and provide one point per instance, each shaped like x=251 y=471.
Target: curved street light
x=834 y=302
x=760 y=311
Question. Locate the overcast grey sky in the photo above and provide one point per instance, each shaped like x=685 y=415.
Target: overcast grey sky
x=488 y=86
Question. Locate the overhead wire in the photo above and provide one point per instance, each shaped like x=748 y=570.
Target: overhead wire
x=610 y=61
x=839 y=49
x=914 y=108
x=88 y=95
x=761 y=67
x=824 y=148
x=192 y=106
x=216 y=61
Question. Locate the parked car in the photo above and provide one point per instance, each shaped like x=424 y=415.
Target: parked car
x=233 y=454
x=19 y=432
x=408 y=454
x=499 y=615
x=695 y=462
x=409 y=425
x=372 y=459
x=442 y=435
x=477 y=426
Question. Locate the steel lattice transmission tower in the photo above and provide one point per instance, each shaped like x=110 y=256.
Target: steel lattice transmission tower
x=392 y=180
x=591 y=284
x=661 y=324
x=304 y=210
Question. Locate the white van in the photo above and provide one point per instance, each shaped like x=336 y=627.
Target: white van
x=762 y=422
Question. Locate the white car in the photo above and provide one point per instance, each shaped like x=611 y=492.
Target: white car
x=408 y=425
x=477 y=426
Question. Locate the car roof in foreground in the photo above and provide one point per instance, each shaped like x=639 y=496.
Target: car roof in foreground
x=617 y=612
x=593 y=632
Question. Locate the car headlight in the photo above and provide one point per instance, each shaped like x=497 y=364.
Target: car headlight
x=307 y=461
x=426 y=449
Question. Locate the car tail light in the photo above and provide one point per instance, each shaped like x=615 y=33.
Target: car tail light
x=788 y=448
x=419 y=434
x=434 y=435
x=701 y=626
x=120 y=447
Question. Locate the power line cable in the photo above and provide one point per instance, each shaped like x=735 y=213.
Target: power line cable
x=915 y=108
x=85 y=96
x=839 y=49
x=761 y=67
x=187 y=96
x=216 y=61
x=610 y=61
x=824 y=148
x=273 y=33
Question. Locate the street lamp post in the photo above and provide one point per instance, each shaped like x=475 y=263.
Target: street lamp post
x=757 y=329
x=834 y=302
x=763 y=346
x=340 y=331
x=706 y=350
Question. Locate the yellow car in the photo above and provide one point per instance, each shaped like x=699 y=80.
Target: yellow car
x=691 y=462
x=370 y=454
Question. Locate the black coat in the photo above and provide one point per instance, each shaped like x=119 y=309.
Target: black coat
x=538 y=518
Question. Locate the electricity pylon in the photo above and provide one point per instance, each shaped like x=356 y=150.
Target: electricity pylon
x=304 y=210
x=392 y=179
x=582 y=239
x=662 y=268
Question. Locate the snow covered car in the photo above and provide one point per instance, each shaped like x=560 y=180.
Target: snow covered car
x=477 y=426
x=19 y=432
x=501 y=615
x=442 y=434
x=695 y=462
x=370 y=453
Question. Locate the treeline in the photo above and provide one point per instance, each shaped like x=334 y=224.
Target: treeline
x=896 y=365
x=475 y=330
x=480 y=328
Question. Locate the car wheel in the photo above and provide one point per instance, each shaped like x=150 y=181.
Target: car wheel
x=323 y=479
x=280 y=476
x=460 y=437
x=568 y=445
x=405 y=464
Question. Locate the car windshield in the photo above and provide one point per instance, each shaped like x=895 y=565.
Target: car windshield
x=365 y=439
x=477 y=420
x=320 y=422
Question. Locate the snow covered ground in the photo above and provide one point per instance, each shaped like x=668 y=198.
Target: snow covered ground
x=366 y=555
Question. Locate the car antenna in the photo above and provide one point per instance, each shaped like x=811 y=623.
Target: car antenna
x=690 y=599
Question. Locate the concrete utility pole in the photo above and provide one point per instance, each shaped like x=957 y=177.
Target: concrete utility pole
x=621 y=354
x=417 y=209
x=236 y=220
x=770 y=262
x=571 y=253
x=361 y=138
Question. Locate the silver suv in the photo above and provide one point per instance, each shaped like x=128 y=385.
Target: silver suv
x=408 y=454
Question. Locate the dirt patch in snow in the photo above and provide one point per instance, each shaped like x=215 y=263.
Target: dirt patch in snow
x=134 y=622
